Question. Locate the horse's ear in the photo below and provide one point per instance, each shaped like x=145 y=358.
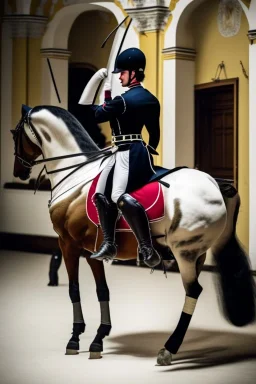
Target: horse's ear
x=25 y=109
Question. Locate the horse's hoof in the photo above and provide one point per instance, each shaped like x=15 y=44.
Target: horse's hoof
x=72 y=348
x=164 y=357
x=53 y=284
x=95 y=355
x=71 y=352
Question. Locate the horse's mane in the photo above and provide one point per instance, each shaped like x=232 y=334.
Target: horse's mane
x=79 y=133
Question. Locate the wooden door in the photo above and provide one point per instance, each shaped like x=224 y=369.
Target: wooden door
x=216 y=129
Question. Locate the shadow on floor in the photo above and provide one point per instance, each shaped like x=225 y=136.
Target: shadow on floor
x=200 y=349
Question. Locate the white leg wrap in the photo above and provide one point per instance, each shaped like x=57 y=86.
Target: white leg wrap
x=77 y=313
x=189 y=305
x=105 y=314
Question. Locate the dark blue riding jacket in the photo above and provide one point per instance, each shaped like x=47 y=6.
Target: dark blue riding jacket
x=128 y=114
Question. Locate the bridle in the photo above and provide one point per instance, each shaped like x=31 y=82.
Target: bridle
x=19 y=152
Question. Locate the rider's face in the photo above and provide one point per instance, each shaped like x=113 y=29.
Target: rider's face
x=124 y=77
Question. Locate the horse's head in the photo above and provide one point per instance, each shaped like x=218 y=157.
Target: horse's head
x=26 y=146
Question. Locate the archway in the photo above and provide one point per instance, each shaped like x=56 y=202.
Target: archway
x=55 y=46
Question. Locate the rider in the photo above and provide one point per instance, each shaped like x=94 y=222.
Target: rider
x=132 y=166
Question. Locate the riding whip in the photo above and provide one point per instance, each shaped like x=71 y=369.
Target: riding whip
x=119 y=49
x=53 y=80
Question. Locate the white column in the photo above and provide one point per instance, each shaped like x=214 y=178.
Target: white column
x=59 y=64
x=169 y=114
x=252 y=155
x=178 y=107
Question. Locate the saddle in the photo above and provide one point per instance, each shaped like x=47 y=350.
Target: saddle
x=150 y=196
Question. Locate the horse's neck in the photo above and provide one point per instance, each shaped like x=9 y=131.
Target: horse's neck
x=76 y=180
x=57 y=140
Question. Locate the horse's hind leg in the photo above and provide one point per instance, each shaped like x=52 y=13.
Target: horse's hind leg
x=102 y=290
x=189 y=271
x=71 y=254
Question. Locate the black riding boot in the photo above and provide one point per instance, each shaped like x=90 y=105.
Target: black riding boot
x=136 y=217
x=108 y=216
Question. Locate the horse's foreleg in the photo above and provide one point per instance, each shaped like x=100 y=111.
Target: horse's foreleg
x=71 y=256
x=189 y=271
x=102 y=290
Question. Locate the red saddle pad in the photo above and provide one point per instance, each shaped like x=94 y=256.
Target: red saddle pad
x=150 y=197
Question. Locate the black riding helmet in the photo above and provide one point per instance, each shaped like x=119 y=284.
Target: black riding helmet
x=132 y=59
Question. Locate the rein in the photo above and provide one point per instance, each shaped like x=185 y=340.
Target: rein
x=103 y=154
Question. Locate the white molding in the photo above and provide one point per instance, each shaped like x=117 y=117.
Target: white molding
x=149 y=18
x=144 y=3
x=23 y=26
x=252 y=35
x=179 y=53
x=55 y=53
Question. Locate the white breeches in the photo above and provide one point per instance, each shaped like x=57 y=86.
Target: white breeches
x=120 y=177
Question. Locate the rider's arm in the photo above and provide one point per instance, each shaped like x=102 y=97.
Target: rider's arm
x=109 y=110
x=153 y=127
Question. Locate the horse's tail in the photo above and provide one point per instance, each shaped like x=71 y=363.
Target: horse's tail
x=235 y=280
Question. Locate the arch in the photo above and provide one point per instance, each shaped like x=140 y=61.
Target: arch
x=182 y=14
x=56 y=38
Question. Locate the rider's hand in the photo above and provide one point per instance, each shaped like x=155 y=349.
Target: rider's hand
x=102 y=73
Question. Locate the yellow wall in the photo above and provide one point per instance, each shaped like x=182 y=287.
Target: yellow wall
x=19 y=84
x=26 y=69
x=212 y=48
x=34 y=76
x=247 y=3
x=85 y=44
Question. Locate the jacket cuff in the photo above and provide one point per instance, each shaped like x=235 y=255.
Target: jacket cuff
x=107 y=95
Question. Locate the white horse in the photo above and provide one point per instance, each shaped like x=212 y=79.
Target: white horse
x=198 y=217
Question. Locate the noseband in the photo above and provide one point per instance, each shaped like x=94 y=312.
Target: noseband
x=19 y=152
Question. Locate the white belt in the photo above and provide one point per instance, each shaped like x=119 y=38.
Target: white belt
x=130 y=137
